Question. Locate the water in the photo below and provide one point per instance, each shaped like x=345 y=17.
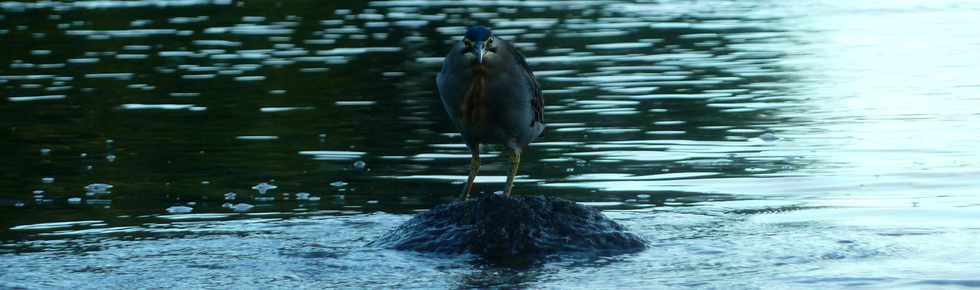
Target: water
x=765 y=144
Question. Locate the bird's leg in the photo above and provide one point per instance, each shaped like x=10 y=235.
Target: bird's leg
x=474 y=169
x=515 y=161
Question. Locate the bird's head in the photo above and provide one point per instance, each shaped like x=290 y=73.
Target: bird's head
x=478 y=44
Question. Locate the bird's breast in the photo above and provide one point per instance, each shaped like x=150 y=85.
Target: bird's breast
x=474 y=105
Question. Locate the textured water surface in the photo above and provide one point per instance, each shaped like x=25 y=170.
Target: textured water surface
x=232 y=144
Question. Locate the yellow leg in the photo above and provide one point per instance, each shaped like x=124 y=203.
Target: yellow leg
x=474 y=169
x=515 y=161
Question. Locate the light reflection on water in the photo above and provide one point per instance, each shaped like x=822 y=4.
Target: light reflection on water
x=794 y=145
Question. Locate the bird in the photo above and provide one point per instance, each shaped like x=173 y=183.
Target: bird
x=492 y=97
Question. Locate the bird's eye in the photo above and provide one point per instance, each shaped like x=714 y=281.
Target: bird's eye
x=489 y=42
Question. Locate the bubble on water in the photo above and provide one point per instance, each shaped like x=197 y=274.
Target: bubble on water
x=191 y=203
x=499 y=192
x=74 y=200
x=284 y=109
x=768 y=137
x=355 y=103
x=83 y=155
x=98 y=202
x=205 y=182
x=241 y=207
x=263 y=187
x=643 y=196
x=253 y=18
x=265 y=198
x=372 y=202
x=45 y=151
x=19 y=204
x=179 y=209
x=110 y=158
x=338 y=184
x=36 y=98
x=47 y=180
x=231 y=196
x=109 y=141
x=38 y=192
x=302 y=195
x=98 y=188
x=360 y=165
x=314 y=198
x=249 y=78
x=257 y=138
x=623 y=45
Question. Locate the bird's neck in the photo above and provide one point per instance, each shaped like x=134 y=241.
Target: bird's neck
x=479 y=70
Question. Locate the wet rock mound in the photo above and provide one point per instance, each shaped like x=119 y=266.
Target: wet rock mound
x=500 y=227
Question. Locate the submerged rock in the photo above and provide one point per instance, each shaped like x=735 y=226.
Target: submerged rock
x=501 y=227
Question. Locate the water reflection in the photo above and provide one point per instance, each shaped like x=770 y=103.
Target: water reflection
x=705 y=126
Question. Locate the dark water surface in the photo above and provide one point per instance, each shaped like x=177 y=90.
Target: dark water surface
x=757 y=144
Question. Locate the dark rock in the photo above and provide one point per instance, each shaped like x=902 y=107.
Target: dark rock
x=502 y=227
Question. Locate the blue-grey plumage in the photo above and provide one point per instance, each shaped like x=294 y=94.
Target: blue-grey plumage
x=491 y=96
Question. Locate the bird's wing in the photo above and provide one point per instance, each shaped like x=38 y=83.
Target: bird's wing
x=537 y=102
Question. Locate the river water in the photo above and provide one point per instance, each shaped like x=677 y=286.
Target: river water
x=808 y=144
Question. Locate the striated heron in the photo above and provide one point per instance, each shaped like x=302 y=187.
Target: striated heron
x=491 y=95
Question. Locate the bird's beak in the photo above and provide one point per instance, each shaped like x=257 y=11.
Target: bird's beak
x=480 y=51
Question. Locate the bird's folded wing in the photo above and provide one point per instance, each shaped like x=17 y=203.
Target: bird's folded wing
x=537 y=102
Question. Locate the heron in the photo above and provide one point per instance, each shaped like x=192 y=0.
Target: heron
x=492 y=97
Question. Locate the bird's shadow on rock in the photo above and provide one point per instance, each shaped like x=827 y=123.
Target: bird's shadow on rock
x=513 y=231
